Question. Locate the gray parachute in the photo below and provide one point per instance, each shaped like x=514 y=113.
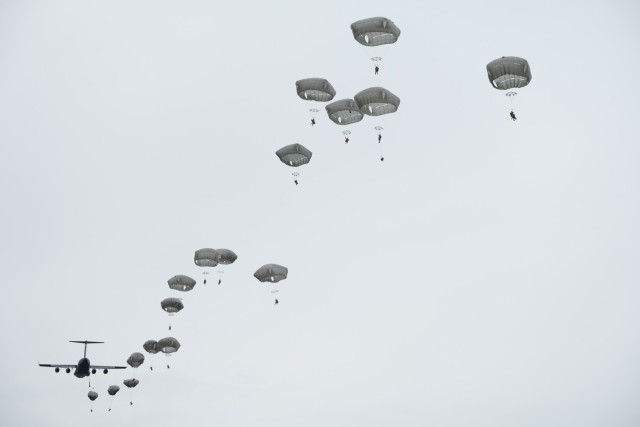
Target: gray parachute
x=509 y=72
x=136 y=359
x=315 y=89
x=92 y=395
x=375 y=31
x=226 y=256
x=151 y=346
x=206 y=257
x=181 y=283
x=377 y=101
x=272 y=273
x=131 y=382
x=294 y=155
x=344 y=112
x=168 y=345
x=171 y=305
x=113 y=389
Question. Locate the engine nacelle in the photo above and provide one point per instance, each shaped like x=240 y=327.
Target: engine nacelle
x=57 y=370
x=105 y=371
x=68 y=370
x=93 y=371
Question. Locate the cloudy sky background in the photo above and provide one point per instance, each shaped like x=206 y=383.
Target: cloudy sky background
x=485 y=274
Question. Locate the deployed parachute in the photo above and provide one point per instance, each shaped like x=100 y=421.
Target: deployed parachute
x=294 y=155
x=168 y=346
x=112 y=390
x=375 y=31
x=151 y=347
x=171 y=306
x=131 y=383
x=344 y=112
x=377 y=101
x=181 y=283
x=315 y=89
x=206 y=257
x=509 y=72
x=226 y=257
x=92 y=395
x=135 y=360
x=272 y=273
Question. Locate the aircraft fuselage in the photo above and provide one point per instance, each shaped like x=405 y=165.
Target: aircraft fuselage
x=82 y=369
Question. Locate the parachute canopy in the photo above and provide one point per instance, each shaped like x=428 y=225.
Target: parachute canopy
x=113 y=389
x=206 y=257
x=271 y=273
x=151 y=346
x=294 y=155
x=168 y=345
x=377 y=101
x=136 y=359
x=181 y=283
x=509 y=72
x=344 y=112
x=92 y=395
x=171 y=305
x=226 y=256
x=315 y=89
x=131 y=383
x=375 y=31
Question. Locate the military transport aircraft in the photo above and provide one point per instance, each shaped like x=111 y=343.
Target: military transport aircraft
x=83 y=368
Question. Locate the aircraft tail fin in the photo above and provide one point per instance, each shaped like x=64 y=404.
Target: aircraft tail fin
x=85 y=342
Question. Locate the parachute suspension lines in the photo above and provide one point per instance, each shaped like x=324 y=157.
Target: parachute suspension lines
x=346 y=134
x=376 y=64
x=295 y=177
x=379 y=129
x=313 y=112
x=220 y=273
x=512 y=95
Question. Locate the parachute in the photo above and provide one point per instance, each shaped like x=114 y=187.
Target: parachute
x=272 y=273
x=92 y=395
x=151 y=347
x=315 y=89
x=168 y=346
x=509 y=72
x=131 y=383
x=181 y=283
x=112 y=390
x=294 y=155
x=226 y=257
x=136 y=359
x=206 y=257
x=375 y=31
x=171 y=306
x=344 y=112
x=377 y=101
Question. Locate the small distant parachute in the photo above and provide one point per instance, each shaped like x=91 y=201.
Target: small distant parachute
x=171 y=306
x=226 y=256
x=206 y=257
x=315 y=89
x=272 y=273
x=181 y=283
x=168 y=346
x=92 y=395
x=344 y=112
x=151 y=347
x=294 y=155
x=376 y=101
x=112 y=390
x=131 y=383
x=135 y=360
x=375 y=31
x=509 y=72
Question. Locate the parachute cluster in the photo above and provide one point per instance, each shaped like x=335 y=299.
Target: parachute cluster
x=506 y=73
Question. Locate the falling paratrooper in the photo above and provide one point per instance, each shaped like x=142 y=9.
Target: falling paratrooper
x=509 y=72
x=294 y=155
x=206 y=257
x=168 y=346
x=271 y=273
x=151 y=347
x=131 y=383
x=171 y=306
x=112 y=390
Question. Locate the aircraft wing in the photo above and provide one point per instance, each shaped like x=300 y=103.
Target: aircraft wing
x=107 y=367
x=54 y=365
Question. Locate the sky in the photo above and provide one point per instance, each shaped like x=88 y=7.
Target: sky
x=486 y=273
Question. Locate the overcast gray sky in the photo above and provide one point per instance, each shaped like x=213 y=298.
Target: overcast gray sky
x=485 y=274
